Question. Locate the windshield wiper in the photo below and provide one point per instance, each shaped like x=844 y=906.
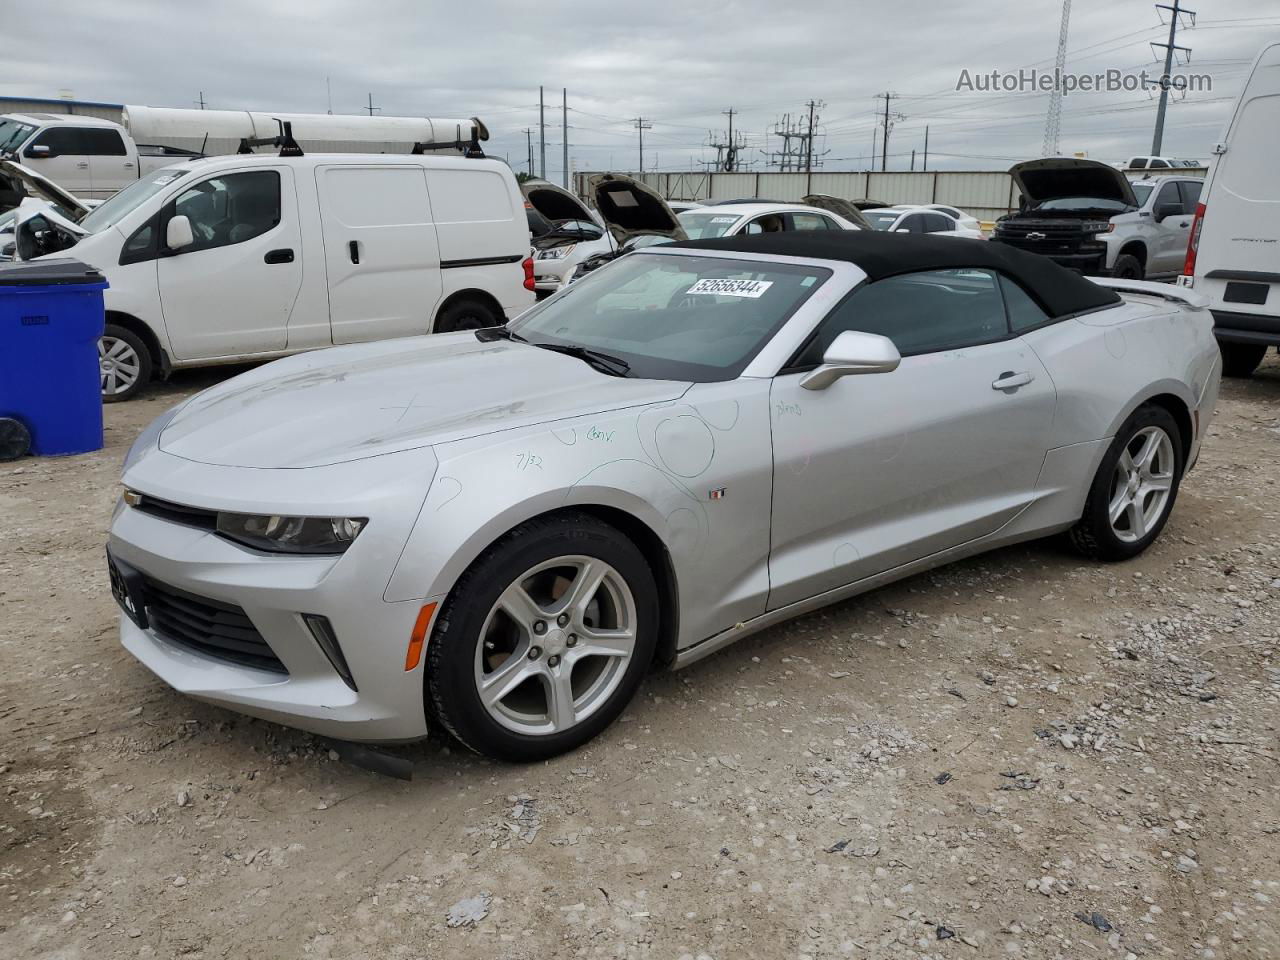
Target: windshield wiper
x=604 y=362
x=485 y=334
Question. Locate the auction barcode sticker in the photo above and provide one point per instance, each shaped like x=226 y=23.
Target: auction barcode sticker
x=732 y=288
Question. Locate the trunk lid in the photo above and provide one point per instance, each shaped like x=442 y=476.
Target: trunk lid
x=367 y=400
x=1056 y=178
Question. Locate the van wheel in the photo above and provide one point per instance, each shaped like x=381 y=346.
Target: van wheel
x=1241 y=359
x=466 y=315
x=124 y=363
x=1128 y=267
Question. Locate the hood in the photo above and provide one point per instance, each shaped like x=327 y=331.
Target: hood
x=370 y=399
x=1054 y=178
x=630 y=209
x=841 y=208
x=866 y=203
x=41 y=187
x=554 y=203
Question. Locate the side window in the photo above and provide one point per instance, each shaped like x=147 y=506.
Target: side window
x=914 y=224
x=769 y=223
x=1190 y=191
x=921 y=312
x=1159 y=164
x=1138 y=163
x=141 y=246
x=1024 y=313
x=102 y=142
x=1168 y=193
x=937 y=222
x=810 y=221
x=61 y=140
x=230 y=209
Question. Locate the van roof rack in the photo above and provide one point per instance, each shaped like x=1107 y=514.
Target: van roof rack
x=284 y=140
x=470 y=149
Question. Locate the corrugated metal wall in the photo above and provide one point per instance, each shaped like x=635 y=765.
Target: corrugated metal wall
x=986 y=194
x=83 y=108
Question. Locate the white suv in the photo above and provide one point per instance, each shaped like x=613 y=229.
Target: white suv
x=237 y=258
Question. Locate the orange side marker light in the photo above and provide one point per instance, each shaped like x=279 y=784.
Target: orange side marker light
x=419 y=637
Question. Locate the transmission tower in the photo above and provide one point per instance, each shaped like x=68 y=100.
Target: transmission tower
x=1170 y=49
x=1053 y=121
x=728 y=147
x=797 y=151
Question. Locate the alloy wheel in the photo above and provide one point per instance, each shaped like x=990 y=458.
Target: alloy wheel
x=119 y=365
x=555 y=645
x=1141 y=486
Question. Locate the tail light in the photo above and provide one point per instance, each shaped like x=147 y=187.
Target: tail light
x=1193 y=241
x=528 y=273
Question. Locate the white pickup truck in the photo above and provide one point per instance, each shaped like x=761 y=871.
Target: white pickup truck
x=93 y=158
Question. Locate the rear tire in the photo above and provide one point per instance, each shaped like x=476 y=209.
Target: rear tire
x=1134 y=489
x=467 y=315
x=1241 y=359
x=544 y=639
x=125 y=364
x=1128 y=267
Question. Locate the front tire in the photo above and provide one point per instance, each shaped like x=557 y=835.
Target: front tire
x=544 y=639
x=466 y=315
x=1128 y=267
x=1134 y=489
x=124 y=364
x=1241 y=359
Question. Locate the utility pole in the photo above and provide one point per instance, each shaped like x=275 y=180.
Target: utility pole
x=371 y=108
x=888 y=126
x=1175 y=11
x=328 y=96
x=201 y=100
x=913 y=159
x=528 y=136
x=925 y=163
x=564 y=122
x=641 y=124
x=727 y=151
x=542 y=134
x=1053 y=119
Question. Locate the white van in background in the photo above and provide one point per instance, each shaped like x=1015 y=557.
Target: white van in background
x=228 y=259
x=1233 y=255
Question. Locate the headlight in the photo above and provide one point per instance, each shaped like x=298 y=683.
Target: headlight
x=150 y=436
x=330 y=535
x=1098 y=226
x=556 y=253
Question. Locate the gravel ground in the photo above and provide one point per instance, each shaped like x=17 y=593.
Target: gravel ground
x=1020 y=755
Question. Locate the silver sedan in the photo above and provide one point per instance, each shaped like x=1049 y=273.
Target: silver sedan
x=500 y=532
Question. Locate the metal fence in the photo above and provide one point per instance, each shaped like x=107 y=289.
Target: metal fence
x=986 y=194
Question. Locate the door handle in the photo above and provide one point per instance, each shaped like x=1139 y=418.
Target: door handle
x=354 y=249
x=1185 y=223
x=128 y=165
x=82 y=165
x=1011 y=381
x=279 y=256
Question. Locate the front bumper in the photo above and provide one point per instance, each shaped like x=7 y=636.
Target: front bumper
x=274 y=591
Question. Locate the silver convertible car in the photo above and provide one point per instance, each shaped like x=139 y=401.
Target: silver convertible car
x=501 y=531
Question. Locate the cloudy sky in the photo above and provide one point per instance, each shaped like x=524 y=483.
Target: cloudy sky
x=678 y=63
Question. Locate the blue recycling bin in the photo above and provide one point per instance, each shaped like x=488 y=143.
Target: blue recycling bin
x=51 y=317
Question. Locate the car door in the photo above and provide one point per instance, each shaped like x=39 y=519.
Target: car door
x=230 y=292
x=65 y=163
x=876 y=471
x=1171 y=232
x=381 y=251
x=810 y=221
x=110 y=165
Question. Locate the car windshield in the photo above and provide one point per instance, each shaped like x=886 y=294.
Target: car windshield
x=1142 y=191
x=674 y=317
x=12 y=133
x=699 y=225
x=881 y=219
x=129 y=199
x=1083 y=203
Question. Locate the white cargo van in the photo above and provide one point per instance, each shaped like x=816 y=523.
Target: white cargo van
x=226 y=259
x=1233 y=255
x=93 y=158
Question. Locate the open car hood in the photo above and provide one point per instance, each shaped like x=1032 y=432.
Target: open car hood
x=841 y=208
x=41 y=187
x=552 y=202
x=630 y=209
x=1054 y=178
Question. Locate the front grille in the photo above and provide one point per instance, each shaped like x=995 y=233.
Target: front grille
x=178 y=513
x=211 y=627
x=1047 y=237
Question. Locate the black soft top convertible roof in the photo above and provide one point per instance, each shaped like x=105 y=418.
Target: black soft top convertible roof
x=1058 y=290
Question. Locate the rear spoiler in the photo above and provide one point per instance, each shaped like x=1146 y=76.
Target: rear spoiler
x=1146 y=288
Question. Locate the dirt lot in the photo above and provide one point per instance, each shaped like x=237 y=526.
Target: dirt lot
x=1021 y=755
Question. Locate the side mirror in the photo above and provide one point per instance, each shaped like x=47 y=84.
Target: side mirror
x=853 y=352
x=902 y=230
x=1163 y=210
x=178 y=233
x=40 y=153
